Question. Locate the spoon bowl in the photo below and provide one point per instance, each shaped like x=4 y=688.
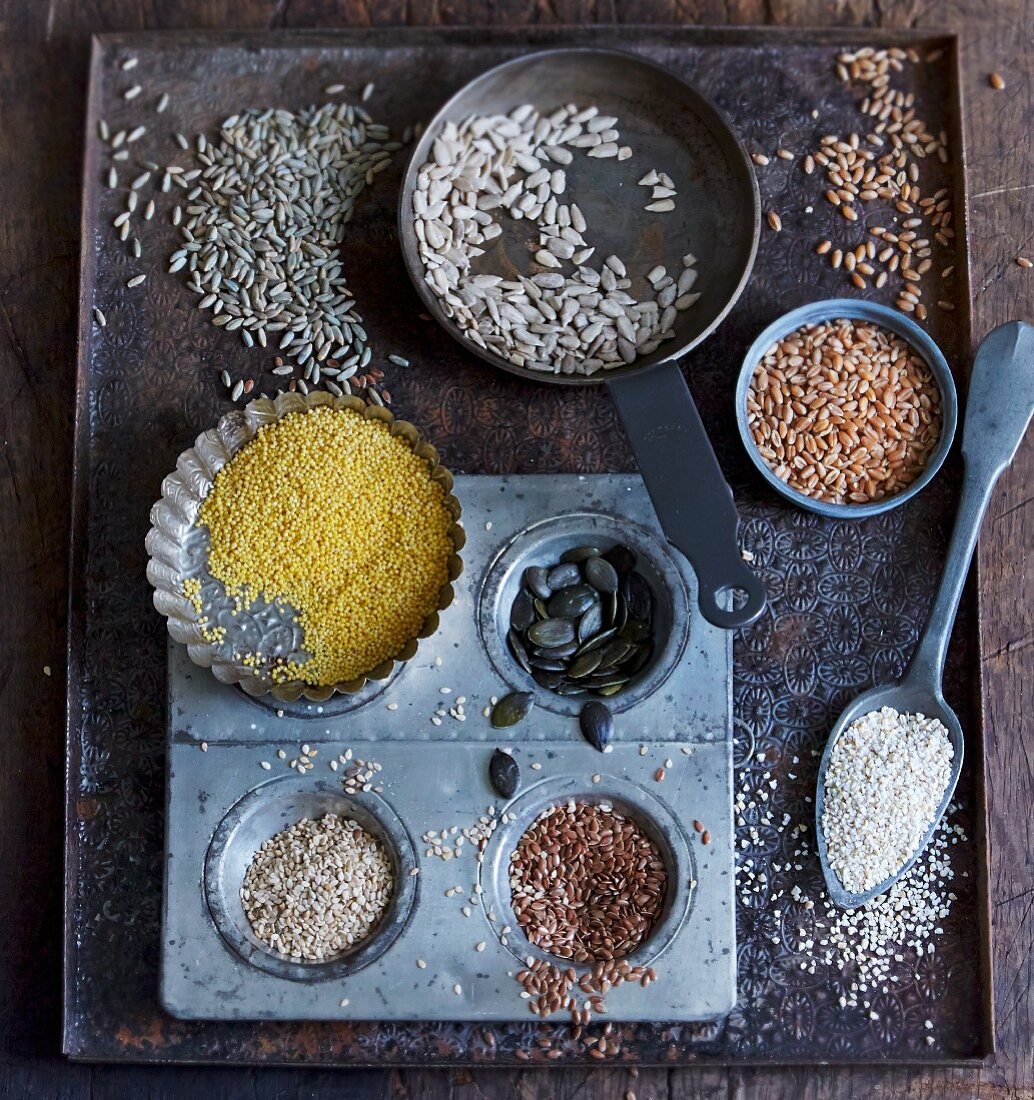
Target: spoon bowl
x=906 y=697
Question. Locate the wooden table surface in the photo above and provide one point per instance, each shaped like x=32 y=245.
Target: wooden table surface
x=43 y=60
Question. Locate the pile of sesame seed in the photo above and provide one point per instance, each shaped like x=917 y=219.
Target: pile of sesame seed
x=304 y=510
x=587 y=883
x=886 y=776
x=318 y=888
x=864 y=951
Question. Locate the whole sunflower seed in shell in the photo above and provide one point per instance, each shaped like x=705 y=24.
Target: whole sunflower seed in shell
x=561 y=316
x=268 y=206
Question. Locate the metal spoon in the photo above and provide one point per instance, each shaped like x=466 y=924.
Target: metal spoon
x=999 y=408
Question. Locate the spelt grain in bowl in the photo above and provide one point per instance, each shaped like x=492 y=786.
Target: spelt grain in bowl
x=844 y=411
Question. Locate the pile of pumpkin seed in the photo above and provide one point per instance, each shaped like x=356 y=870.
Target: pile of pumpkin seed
x=583 y=626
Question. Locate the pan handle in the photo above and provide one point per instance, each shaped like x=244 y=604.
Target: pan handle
x=692 y=499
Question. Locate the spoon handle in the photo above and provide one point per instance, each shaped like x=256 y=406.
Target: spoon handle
x=998 y=410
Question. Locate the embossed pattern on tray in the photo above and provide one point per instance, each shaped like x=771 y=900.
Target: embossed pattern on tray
x=846 y=598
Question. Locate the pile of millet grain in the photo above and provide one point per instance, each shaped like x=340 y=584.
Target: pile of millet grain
x=331 y=513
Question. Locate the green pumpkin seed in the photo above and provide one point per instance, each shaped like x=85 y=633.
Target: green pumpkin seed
x=612 y=689
x=517 y=649
x=615 y=653
x=549 y=680
x=562 y=576
x=594 y=643
x=571 y=602
x=597 y=725
x=512 y=708
x=586 y=663
x=638 y=597
x=504 y=773
x=601 y=575
x=535 y=580
x=578 y=554
x=635 y=630
x=606 y=679
x=557 y=652
x=639 y=660
x=551 y=632
x=540 y=608
x=522 y=614
x=590 y=623
x=622 y=558
x=621 y=617
x=548 y=664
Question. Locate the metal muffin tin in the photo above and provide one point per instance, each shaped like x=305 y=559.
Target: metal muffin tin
x=222 y=803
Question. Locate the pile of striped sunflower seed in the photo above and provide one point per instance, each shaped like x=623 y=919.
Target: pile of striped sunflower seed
x=564 y=316
x=264 y=221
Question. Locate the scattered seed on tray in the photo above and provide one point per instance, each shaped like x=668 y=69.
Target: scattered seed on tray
x=504 y=773
x=1024 y=262
x=844 y=411
x=264 y=225
x=587 y=883
x=563 y=316
x=880 y=163
x=887 y=773
x=997 y=81
x=317 y=888
x=511 y=709
x=548 y=988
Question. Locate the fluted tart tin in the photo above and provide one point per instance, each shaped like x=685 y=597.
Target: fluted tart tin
x=218 y=631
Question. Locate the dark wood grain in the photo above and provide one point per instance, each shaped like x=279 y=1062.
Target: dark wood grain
x=43 y=54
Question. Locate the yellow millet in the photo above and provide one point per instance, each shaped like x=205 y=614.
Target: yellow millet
x=332 y=514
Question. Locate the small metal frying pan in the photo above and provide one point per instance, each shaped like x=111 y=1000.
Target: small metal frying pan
x=671 y=128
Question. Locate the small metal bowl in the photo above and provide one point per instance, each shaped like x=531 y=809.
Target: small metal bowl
x=832 y=309
x=177 y=552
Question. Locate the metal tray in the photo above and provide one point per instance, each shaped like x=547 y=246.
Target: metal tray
x=435 y=776
x=845 y=598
